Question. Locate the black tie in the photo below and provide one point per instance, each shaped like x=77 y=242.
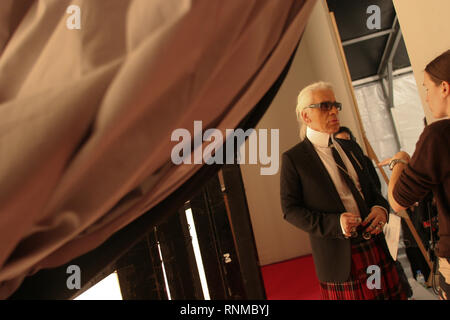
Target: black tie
x=363 y=210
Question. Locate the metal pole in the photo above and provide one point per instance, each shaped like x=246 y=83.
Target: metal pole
x=367 y=37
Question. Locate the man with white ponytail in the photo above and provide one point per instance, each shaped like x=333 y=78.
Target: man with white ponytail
x=303 y=100
x=326 y=191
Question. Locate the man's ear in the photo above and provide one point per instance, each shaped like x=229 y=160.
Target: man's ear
x=305 y=116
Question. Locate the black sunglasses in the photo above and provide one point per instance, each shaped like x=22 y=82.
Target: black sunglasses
x=327 y=105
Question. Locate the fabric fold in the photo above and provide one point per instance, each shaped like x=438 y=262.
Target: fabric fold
x=87 y=115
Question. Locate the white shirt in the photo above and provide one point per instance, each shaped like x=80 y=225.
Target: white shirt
x=320 y=142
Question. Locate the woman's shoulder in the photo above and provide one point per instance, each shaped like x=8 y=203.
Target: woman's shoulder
x=437 y=130
x=439 y=127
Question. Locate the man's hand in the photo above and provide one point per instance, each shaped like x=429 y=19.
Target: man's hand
x=375 y=220
x=349 y=222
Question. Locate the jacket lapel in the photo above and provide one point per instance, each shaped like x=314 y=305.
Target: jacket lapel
x=322 y=174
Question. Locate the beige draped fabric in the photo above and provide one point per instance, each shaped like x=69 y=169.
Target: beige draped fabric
x=86 y=114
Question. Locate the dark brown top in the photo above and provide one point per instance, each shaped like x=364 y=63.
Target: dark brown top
x=429 y=170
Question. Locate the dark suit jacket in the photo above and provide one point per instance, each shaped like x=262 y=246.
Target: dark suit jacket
x=311 y=202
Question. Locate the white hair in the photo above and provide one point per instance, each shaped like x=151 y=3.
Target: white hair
x=304 y=99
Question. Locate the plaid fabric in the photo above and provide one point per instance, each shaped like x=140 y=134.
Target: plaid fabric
x=364 y=254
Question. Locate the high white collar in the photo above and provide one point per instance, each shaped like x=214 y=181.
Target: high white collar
x=317 y=138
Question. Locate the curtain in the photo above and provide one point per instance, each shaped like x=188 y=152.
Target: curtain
x=89 y=100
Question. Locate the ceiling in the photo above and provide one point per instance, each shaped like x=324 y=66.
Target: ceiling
x=369 y=56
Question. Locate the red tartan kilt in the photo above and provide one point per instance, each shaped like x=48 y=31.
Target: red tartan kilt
x=364 y=254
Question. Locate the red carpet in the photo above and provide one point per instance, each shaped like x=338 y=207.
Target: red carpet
x=291 y=280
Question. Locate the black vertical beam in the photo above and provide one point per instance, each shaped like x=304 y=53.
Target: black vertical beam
x=140 y=272
x=242 y=229
x=179 y=260
x=206 y=235
x=226 y=245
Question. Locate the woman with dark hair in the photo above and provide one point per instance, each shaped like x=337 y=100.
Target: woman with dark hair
x=345 y=133
x=429 y=167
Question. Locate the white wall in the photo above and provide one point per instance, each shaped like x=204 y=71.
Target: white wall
x=317 y=58
x=425 y=26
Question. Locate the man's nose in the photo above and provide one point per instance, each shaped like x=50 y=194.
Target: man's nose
x=334 y=110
